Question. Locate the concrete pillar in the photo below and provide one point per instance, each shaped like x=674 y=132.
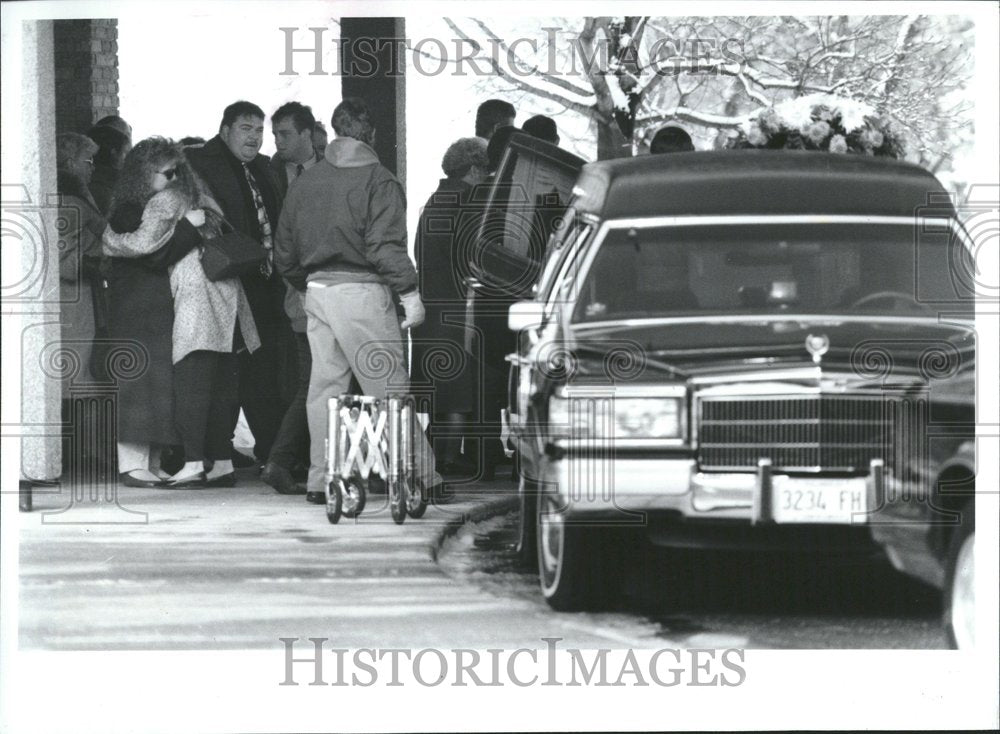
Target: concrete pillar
x=31 y=391
x=382 y=84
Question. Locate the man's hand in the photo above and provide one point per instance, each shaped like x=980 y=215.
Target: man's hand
x=414 y=309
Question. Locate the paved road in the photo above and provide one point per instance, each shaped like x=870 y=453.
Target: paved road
x=239 y=568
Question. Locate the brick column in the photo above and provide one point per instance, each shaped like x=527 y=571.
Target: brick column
x=86 y=59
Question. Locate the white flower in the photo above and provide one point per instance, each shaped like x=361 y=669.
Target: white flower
x=755 y=136
x=853 y=113
x=817 y=132
x=798 y=113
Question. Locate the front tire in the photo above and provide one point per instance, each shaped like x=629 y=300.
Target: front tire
x=416 y=500
x=579 y=567
x=959 y=589
x=354 y=497
x=397 y=500
x=334 y=502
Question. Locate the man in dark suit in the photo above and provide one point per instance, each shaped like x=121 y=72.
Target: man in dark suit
x=292 y=124
x=243 y=183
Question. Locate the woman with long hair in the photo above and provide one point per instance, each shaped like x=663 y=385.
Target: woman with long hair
x=177 y=319
x=143 y=239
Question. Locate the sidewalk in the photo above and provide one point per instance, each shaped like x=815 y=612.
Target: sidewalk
x=237 y=568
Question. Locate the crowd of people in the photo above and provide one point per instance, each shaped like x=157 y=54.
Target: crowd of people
x=332 y=290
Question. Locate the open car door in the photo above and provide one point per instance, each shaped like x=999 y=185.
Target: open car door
x=528 y=197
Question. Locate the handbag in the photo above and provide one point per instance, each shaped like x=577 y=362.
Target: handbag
x=231 y=254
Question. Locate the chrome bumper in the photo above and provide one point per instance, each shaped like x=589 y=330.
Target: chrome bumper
x=625 y=486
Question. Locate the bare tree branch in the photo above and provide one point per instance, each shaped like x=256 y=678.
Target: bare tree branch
x=520 y=83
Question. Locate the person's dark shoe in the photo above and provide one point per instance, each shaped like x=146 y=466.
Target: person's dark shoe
x=316 y=498
x=224 y=480
x=241 y=460
x=280 y=479
x=129 y=481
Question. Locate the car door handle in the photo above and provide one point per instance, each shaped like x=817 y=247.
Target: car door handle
x=515 y=358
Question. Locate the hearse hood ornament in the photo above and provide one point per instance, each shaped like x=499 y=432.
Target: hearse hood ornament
x=817 y=346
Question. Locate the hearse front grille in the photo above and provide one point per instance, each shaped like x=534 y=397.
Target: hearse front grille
x=807 y=433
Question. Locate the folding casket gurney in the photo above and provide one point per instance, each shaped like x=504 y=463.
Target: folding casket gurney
x=368 y=440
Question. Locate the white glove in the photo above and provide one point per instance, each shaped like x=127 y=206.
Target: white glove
x=414 y=309
x=196 y=217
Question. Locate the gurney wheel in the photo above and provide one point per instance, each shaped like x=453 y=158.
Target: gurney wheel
x=397 y=500
x=354 y=497
x=334 y=501
x=416 y=500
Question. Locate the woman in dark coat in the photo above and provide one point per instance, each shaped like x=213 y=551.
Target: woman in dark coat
x=441 y=366
x=148 y=214
x=80 y=227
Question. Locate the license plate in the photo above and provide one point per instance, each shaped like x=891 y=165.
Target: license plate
x=798 y=500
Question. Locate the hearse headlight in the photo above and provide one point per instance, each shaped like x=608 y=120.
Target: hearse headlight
x=592 y=416
x=648 y=417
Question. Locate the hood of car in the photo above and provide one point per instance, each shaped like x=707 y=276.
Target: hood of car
x=871 y=348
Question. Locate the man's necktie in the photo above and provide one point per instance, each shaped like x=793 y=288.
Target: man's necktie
x=267 y=266
x=299 y=169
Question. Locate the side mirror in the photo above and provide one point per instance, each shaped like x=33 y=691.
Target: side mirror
x=524 y=315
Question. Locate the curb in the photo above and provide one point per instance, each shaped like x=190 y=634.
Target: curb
x=478 y=513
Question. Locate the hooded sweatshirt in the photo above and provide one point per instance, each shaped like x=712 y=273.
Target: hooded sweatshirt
x=344 y=221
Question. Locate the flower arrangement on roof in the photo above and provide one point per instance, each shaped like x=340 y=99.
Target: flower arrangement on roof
x=821 y=122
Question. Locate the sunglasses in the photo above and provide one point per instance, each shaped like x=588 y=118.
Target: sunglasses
x=170 y=174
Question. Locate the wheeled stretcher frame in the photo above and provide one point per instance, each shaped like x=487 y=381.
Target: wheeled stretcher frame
x=367 y=440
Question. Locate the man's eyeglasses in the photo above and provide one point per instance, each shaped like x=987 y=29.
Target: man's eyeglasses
x=169 y=174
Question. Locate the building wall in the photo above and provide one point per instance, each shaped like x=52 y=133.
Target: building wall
x=31 y=357
x=86 y=67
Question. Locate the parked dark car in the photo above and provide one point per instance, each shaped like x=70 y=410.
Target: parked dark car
x=750 y=350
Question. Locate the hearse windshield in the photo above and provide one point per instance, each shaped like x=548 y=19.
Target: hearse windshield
x=897 y=269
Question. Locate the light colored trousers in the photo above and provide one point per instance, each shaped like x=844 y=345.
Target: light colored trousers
x=352 y=327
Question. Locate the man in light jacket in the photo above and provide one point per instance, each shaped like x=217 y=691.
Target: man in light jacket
x=342 y=238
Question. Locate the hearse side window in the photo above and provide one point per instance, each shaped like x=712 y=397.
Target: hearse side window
x=563 y=260
x=560 y=243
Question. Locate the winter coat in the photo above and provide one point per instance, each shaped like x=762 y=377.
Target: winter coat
x=439 y=358
x=141 y=313
x=294 y=300
x=206 y=313
x=227 y=183
x=80 y=227
x=344 y=221
x=279 y=172
x=102 y=185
